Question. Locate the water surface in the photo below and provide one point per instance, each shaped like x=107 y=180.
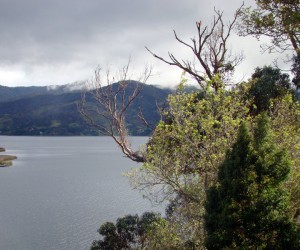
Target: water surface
x=60 y=189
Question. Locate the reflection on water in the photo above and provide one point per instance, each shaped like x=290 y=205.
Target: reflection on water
x=60 y=189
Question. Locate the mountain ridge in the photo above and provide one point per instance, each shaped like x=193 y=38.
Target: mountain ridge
x=53 y=111
x=18 y=92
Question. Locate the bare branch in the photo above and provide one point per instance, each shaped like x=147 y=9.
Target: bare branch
x=210 y=48
x=104 y=106
x=161 y=111
x=142 y=117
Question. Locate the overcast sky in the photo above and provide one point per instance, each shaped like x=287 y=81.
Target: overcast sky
x=46 y=42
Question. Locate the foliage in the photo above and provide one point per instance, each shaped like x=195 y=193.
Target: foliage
x=186 y=150
x=276 y=19
x=129 y=232
x=164 y=235
x=267 y=83
x=296 y=70
x=269 y=90
x=183 y=157
x=249 y=209
x=184 y=153
x=285 y=124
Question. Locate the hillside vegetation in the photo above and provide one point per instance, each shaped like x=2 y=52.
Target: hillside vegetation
x=44 y=111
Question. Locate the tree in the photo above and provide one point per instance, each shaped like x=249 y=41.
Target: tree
x=267 y=83
x=164 y=235
x=210 y=49
x=296 y=70
x=186 y=172
x=215 y=63
x=129 y=232
x=249 y=209
x=112 y=103
x=285 y=124
x=277 y=19
x=182 y=159
x=111 y=239
x=185 y=151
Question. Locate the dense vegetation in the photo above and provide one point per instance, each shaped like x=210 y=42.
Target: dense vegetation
x=227 y=160
x=249 y=208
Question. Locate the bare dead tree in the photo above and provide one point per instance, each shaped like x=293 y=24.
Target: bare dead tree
x=210 y=50
x=213 y=58
x=105 y=102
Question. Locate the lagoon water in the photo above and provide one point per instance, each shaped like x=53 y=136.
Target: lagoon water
x=60 y=189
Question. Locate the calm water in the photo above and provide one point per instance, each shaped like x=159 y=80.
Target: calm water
x=61 y=189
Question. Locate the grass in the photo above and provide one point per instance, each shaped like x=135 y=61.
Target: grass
x=6 y=160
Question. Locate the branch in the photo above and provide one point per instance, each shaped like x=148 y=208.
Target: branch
x=210 y=48
x=104 y=107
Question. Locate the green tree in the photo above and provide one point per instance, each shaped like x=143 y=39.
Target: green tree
x=249 y=208
x=185 y=151
x=267 y=83
x=184 y=154
x=285 y=123
x=129 y=232
x=110 y=237
x=276 y=19
x=182 y=159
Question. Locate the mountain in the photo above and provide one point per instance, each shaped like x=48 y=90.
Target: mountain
x=9 y=94
x=15 y=93
x=53 y=110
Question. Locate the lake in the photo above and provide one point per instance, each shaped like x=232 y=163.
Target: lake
x=60 y=189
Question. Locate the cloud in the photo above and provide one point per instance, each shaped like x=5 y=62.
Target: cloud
x=56 y=42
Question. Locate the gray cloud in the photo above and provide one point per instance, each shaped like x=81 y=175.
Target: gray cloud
x=57 y=41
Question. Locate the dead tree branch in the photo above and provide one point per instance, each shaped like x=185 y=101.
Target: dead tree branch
x=105 y=103
x=210 y=49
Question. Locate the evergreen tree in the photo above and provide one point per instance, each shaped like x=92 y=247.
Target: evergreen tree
x=249 y=209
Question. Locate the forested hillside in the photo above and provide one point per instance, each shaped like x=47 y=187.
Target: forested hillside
x=40 y=111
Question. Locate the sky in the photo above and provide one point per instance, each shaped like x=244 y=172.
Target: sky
x=53 y=42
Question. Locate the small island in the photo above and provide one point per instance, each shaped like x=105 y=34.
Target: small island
x=6 y=160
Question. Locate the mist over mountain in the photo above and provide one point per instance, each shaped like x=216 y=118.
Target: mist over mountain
x=53 y=110
x=15 y=93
